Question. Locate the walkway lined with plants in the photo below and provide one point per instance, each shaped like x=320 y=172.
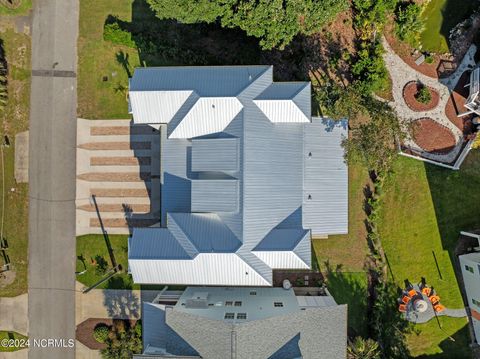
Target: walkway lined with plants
x=402 y=74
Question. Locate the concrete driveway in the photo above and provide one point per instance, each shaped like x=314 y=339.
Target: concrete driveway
x=14 y=314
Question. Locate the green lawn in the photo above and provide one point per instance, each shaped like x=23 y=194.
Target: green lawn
x=429 y=340
x=23 y=9
x=10 y=335
x=97 y=58
x=347 y=252
x=351 y=288
x=15 y=119
x=345 y=255
x=158 y=43
x=424 y=209
x=92 y=245
x=439 y=17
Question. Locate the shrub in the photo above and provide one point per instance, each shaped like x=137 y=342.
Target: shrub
x=101 y=332
x=101 y=266
x=114 y=33
x=407 y=22
x=138 y=329
x=429 y=59
x=423 y=95
x=368 y=69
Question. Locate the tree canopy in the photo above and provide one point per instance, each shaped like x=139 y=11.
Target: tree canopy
x=373 y=142
x=274 y=22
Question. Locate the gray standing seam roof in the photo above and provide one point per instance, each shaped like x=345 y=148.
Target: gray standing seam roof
x=255 y=177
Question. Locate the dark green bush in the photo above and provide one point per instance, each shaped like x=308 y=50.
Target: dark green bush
x=114 y=33
x=101 y=332
x=407 y=22
x=423 y=95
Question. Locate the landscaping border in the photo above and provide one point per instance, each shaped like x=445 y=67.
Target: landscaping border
x=456 y=165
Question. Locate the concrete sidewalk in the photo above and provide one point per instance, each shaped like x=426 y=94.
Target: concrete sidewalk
x=82 y=352
x=14 y=314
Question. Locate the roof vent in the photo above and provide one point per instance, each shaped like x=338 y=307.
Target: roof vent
x=309 y=196
x=309 y=154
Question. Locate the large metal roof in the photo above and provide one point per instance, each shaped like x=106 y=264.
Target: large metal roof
x=235 y=173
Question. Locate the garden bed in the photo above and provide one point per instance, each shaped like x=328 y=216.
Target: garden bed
x=84 y=331
x=404 y=51
x=410 y=92
x=432 y=137
x=455 y=105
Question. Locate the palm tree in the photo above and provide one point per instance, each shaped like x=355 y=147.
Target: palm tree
x=363 y=349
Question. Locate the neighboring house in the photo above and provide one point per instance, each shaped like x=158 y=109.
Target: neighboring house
x=247 y=176
x=470 y=265
x=473 y=101
x=243 y=323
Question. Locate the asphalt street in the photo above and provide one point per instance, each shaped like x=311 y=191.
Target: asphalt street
x=53 y=102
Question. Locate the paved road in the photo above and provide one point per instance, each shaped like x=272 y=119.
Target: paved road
x=51 y=304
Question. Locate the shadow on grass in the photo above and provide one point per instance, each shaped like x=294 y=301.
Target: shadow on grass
x=456 y=203
x=350 y=288
x=455 y=200
x=457 y=348
x=454 y=12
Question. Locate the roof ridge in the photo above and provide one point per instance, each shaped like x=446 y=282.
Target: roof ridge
x=181 y=237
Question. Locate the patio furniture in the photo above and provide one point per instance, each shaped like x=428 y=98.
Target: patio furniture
x=406 y=299
x=420 y=60
x=412 y=293
x=422 y=284
x=434 y=299
x=402 y=308
x=438 y=308
x=427 y=291
x=408 y=285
